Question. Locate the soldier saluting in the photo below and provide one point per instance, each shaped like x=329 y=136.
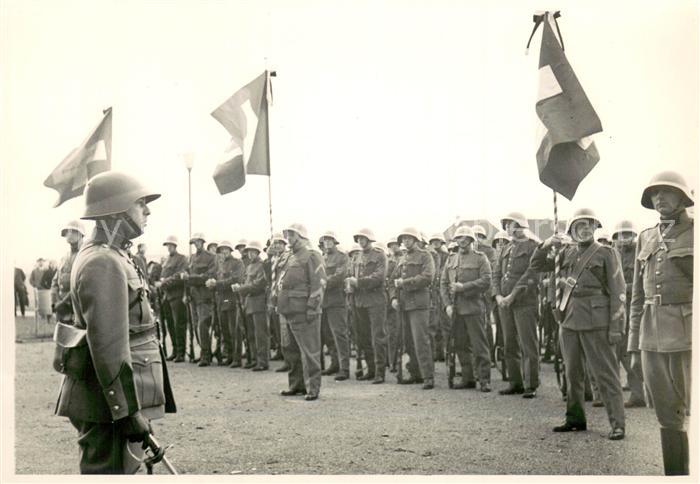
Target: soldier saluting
x=115 y=379
x=662 y=312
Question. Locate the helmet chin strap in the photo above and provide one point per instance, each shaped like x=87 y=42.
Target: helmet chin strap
x=134 y=229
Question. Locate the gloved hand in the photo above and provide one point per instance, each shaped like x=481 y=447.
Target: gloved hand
x=449 y=310
x=395 y=304
x=135 y=427
x=614 y=337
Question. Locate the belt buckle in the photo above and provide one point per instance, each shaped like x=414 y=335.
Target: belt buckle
x=570 y=281
x=657 y=299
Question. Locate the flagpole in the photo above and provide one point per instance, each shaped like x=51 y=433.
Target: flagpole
x=557 y=253
x=268 y=94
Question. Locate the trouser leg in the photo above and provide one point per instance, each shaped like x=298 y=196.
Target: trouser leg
x=204 y=326
x=392 y=330
x=338 y=323
x=572 y=352
x=602 y=360
x=262 y=338
x=292 y=355
x=462 y=352
x=364 y=338
x=377 y=321
x=511 y=348
x=479 y=344
x=103 y=449
x=252 y=349
x=327 y=339
x=418 y=320
x=635 y=376
x=178 y=311
x=308 y=337
x=526 y=322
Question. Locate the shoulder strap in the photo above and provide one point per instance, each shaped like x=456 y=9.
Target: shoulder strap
x=572 y=280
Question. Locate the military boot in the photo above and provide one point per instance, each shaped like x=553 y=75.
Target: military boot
x=674 y=447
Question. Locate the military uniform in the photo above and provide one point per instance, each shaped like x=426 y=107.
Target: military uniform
x=299 y=298
x=174 y=287
x=473 y=271
x=229 y=271
x=635 y=375
x=595 y=311
x=417 y=270
x=254 y=291
x=202 y=267
x=661 y=328
x=336 y=265
x=122 y=370
x=370 y=306
x=392 y=320
x=490 y=254
x=519 y=320
x=60 y=288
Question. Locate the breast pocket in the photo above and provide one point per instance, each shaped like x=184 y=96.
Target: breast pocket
x=468 y=272
x=139 y=309
x=412 y=269
x=148 y=374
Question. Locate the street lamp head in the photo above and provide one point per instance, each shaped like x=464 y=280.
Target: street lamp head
x=188 y=159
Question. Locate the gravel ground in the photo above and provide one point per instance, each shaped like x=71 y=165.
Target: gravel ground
x=235 y=422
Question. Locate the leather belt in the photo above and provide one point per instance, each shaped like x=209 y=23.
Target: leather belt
x=658 y=300
x=142 y=337
x=588 y=293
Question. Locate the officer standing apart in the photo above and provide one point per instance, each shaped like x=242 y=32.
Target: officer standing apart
x=299 y=298
x=368 y=284
x=73 y=232
x=465 y=277
x=173 y=285
x=593 y=318
x=515 y=291
x=662 y=312
x=410 y=293
x=336 y=264
x=115 y=380
x=254 y=290
x=202 y=267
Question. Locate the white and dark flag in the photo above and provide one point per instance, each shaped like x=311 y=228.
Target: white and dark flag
x=245 y=117
x=567 y=152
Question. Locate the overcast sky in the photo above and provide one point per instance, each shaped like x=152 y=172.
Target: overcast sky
x=386 y=113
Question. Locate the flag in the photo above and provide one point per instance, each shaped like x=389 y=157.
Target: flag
x=93 y=156
x=567 y=152
x=249 y=151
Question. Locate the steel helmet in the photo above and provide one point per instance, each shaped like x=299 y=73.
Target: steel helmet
x=423 y=237
x=501 y=235
x=241 y=243
x=215 y=244
x=279 y=237
x=393 y=240
x=170 y=239
x=75 y=225
x=437 y=236
x=479 y=230
x=254 y=245
x=601 y=234
x=452 y=245
x=412 y=231
x=668 y=179
x=224 y=243
x=364 y=232
x=329 y=234
x=516 y=217
x=582 y=213
x=198 y=236
x=113 y=192
x=624 y=226
x=464 y=231
x=297 y=228
x=355 y=247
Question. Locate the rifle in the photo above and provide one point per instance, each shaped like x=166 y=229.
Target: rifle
x=215 y=329
x=400 y=349
x=190 y=323
x=162 y=328
x=157 y=454
x=450 y=346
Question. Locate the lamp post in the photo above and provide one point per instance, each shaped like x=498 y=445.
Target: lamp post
x=188 y=159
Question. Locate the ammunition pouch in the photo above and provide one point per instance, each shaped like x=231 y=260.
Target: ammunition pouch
x=72 y=354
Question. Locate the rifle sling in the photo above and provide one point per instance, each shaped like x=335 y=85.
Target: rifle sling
x=578 y=269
